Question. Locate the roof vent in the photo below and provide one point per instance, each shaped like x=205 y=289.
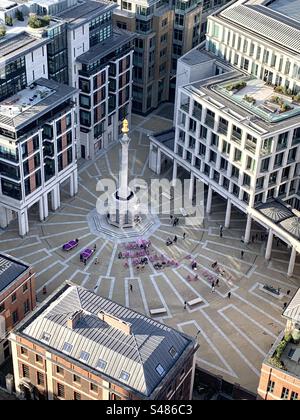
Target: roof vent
x=115 y=322
x=74 y=318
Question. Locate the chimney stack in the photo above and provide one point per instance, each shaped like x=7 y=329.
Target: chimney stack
x=115 y=322
x=74 y=318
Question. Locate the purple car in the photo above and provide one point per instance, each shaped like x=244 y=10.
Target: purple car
x=86 y=254
x=70 y=245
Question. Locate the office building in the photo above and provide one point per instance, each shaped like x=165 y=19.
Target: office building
x=80 y=346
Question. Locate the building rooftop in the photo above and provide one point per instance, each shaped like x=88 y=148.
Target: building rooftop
x=116 y=342
x=290 y=8
x=10 y=270
x=262 y=99
x=7 y=4
x=119 y=38
x=255 y=17
x=292 y=311
x=33 y=102
x=85 y=11
x=21 y=43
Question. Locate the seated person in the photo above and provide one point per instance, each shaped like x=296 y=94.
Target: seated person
x=169 y=242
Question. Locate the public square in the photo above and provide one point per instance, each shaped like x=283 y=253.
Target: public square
x=236 y=333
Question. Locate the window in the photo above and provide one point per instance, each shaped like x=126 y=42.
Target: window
x=285 y=393
x=124 y=376
x=24 y=351
x=2 y=307
x=59 y=370
x=271 y=386
x=25 y=371
x=40 y=379
x=93 y=388
x=84 y=356
x=15 y=317
x=13 y=297
x=294 y=395
x=77 y=396
x=160 y=370
x=38 y=358
x=67 y=348
x=46 y=337
x=265 y=165
x=26 y=306
x=76 y=379
x=235 y=172
x=25 y=287
x=173 y=352
x=60 y=391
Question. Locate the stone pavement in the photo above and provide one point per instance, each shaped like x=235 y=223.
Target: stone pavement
x=235 y=334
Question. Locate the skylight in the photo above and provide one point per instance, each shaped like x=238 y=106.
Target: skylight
x=101 y=365
x=67 y=348
x=124 y=375
x=160 y=370
x=173 y=352
x=84 y=356
x=46 y=337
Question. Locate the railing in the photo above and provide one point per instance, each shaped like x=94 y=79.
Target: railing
x=223 y=128
x=210 y=121
x=236 y=137
x=250 y=146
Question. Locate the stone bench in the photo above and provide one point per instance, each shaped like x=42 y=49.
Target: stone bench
x=183 y=212
x=275 y=295
x=194 y=301
x=158 y=311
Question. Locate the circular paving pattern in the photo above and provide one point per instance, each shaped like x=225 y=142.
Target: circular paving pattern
x=235 y=334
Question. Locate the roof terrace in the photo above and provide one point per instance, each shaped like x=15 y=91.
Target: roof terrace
x=266 y=101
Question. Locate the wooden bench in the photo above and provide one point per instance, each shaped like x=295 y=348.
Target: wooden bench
x=158 y=311
x=194 y=301
x=183 y=212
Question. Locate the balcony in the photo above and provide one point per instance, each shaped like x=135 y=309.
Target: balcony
x=185 y=107
x=236 y=137
x=197 y=113
x=251 y=146
x=223 y=128
x=210 y=121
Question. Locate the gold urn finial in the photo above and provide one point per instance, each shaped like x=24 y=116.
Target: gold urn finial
x=125 y=128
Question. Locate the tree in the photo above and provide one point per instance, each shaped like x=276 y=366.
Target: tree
x=2 y=31
x=8 y=20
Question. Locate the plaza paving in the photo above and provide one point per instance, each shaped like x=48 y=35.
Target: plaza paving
x=235 y=334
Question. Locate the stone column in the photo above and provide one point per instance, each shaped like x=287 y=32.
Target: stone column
x=174 y=176
x=3 y=217
x=55 y=198
x=191 y=188
x=292 y=262
x=209 y=200
x=248 y=229
x=228 y=214
x=45 y=200
x=41 y=209
x=158 y=162
x=269 y=245
x=75 y=176
x=22 y=223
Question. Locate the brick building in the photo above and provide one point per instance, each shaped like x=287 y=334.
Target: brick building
x=17 y=297
x=80 y=346
x=280 y=372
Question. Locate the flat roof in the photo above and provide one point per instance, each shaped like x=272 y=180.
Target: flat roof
x=118 y=38
x=109 y=339
x=86 y=10
x=29 y=104
x=10 y=270
x=292 y=311
x=289 y=8
x=15 y=46
x=263 y=21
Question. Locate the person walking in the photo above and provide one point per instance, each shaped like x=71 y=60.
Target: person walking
x=175 y=239
x=217 y=282
x=185 y=303
x=284 y=306
x=96 y=260
x=183 y=235
x=229 y=295
x=213 y=289
x=171 y=218
x=130 y=287
x=242 y=254
x=288 y=292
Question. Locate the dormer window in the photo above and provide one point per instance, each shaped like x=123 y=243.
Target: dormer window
x=124 y=376
x=67 y=348
x=160 y=370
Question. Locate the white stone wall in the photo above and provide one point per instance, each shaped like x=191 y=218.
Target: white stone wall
x=36 y=64
x=78 y=43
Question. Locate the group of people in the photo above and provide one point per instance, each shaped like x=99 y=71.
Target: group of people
x=174 y=220
x=170 y=242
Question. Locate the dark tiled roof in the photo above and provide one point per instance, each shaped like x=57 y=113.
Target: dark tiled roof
x=10 y=270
